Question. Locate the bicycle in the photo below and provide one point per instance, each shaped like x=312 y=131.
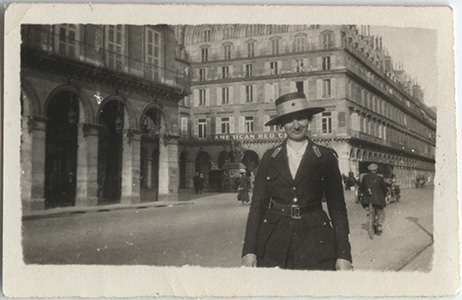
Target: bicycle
x=371 y=222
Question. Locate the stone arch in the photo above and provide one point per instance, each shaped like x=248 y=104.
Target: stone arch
x=130 y=116
x=352 y=154
x=85 y=108
x=166 y=121
x=30 y=104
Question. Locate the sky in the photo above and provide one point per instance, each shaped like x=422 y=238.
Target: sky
x=416 y=49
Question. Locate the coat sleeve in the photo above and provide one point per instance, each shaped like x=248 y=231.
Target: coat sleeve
x=258 y=207
x=333 y=191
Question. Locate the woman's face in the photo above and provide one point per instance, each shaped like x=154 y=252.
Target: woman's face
x=296 y=126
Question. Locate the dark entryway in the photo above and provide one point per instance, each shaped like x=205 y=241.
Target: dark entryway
x=61 y=150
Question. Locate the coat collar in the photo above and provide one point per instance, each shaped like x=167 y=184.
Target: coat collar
x=309 y=162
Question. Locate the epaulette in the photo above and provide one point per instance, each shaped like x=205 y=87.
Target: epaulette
x=316 y=151
x=276 y=151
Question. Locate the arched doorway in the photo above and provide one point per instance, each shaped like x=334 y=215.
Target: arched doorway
x=110 y=152
x=61 y=150
x=250 y=160
x=222 y=158
x=203 y=165
x=151 y=126
x=183 y=160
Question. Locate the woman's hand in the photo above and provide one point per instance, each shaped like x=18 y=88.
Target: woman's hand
x=249 y=260
x=343 y=265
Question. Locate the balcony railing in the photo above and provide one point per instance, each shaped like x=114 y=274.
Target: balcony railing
x=96 y=55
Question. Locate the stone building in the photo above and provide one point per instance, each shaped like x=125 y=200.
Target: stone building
x=374 y=111
x=99 y=114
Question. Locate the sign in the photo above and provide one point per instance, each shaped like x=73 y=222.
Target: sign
x=250 y=136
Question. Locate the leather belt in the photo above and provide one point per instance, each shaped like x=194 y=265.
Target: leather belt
x=292 y=210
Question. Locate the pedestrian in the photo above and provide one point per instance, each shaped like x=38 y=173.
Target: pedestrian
x=287 y=226
x=251 y=181
x=243 y=189
x=374 y=190
x=200 y=183
x=350 y=181
x=196 y=182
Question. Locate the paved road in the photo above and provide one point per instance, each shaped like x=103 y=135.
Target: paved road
x=208 y=232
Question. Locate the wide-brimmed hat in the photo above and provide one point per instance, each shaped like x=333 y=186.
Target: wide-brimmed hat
x=293 y=103
x=372 y=167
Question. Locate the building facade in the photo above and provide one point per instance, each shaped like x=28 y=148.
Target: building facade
x=374 y=111
x=99 y=114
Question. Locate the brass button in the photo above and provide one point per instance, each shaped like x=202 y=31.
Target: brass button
x=295 y=200
x=282 y=209
x=268 y=178
x=264 y=221
x=294 y=188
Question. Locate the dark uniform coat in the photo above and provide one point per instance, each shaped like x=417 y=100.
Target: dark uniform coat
x=312 y=242
x=378 y=188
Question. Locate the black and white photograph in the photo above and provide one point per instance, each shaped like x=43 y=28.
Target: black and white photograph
x=195 y=150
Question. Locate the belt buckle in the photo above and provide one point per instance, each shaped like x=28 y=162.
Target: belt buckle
x=295 y=212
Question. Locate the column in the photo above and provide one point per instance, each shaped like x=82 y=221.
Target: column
x=168 y=168
x=33 y=163
x=87 y=165
x=131 y=142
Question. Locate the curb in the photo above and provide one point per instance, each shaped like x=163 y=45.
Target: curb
x=63 y=212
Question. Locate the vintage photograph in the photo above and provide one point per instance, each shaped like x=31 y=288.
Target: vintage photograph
x=301 y=146
x=148 y=144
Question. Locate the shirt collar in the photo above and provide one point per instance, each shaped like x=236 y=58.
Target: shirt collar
x=293 y=152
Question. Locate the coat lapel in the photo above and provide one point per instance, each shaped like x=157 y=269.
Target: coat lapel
x=280 y=163
x=309 y=162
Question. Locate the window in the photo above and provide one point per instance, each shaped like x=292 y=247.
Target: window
x=225 y=125
x=207 y=34
x=275 y=46
x=251 y=49
x=248 y=70
x=67 y=40
x=299 y=86
x=326 y=63
x=326 y=123
x=202 y=97
x=201 y=74
x=327 y=39
x=300 y=42
x=202 y=128
x=274 y=67
x=227 y=52
x=225 y=95
x=116 y=45
x=326 y=88
x=184 y=125
x=299 y=65
x=224 y=72
x=248 y=93
x=341 y=119
x=153 y=58
x=249 y=124
x=205 y=54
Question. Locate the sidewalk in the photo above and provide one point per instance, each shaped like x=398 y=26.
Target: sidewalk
x=185 y=197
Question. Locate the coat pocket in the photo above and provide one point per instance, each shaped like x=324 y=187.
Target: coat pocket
x=266 y=229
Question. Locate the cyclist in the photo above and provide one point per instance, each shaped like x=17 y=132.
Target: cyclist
x=374 y=190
